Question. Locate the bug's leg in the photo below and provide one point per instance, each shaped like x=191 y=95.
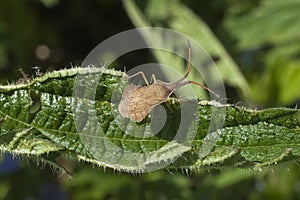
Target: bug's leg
x=153 y=79
x=138 y=73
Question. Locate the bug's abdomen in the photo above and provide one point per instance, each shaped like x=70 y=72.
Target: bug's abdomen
x=143 y=100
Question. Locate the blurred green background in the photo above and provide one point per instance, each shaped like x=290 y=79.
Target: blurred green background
x=261 y=38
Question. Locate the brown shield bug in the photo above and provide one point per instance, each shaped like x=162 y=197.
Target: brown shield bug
x=137 y=101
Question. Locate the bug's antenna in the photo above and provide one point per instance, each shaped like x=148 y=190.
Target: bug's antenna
x=189 y=65
x=204 y=87
x=180 y=83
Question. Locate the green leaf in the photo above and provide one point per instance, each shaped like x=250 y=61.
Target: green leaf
x=272 y=22
x=269 y=35
x=282 y=86
x=39 y=120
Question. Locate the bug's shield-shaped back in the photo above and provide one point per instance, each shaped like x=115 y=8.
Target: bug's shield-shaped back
x=137 y=101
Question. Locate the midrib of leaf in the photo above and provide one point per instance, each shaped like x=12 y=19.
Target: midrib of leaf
x=249 y=138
